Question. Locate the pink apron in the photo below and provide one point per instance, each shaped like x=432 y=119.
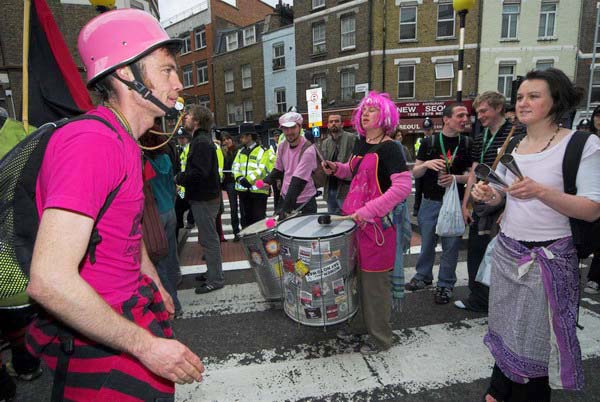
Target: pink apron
x=376 y=241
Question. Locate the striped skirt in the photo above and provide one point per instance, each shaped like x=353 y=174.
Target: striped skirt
x=99 y=373
x=534 y=296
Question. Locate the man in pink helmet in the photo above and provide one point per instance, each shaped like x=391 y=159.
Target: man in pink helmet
x=105 y=332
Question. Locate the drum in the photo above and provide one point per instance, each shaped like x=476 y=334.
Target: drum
x=262 y=250
x=319 y=270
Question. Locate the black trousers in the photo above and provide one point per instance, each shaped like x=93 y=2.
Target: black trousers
x=476 y=247
x=505 y=390
x=418 y=194
x=253 y=207
x=594 y=273
x=232 y=195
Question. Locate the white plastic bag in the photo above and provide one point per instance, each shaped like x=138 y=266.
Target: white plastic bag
x=450 y=221
x=484 y=274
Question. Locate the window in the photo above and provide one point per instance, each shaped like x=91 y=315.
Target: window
x=320 y=80
x=229 y=86
x=444 y=75
x=510 y=21
x=348 y=31
x=318 y=34
x=544 y=64
x=248 y=115
x=231 y=41
x=249 y=35
x=246 y=76
x=230 y=113
x=408 y=23
x=188 y=76
x=318 y=4
x=596 y=85
x=506 y=74
x=445 y=21
x=202 y=72
x=200 y=38
x=280 y=100
x=186 y=46
x=347 y=80
x=406 y=81
x=547 y=20
x=278 y=56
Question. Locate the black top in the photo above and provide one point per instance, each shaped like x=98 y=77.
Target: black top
x=431 y=149
x=492 y=151
x=228 y=158
x=391 y=160
x=201 y=177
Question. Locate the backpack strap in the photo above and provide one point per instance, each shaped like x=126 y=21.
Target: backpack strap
x=572 y=159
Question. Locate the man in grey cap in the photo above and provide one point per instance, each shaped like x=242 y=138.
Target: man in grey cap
x=296 y=160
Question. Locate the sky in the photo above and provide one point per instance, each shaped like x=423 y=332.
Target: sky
x=168 y=8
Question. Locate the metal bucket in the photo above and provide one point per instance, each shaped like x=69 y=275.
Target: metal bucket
x=319 y=270
x=262 y=251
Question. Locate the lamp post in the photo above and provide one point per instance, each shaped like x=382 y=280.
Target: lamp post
x=462 y=7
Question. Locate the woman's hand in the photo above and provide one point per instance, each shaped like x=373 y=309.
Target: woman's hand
x=483 y=192
x=329 y=167
x=526 y=189
x=357 y=218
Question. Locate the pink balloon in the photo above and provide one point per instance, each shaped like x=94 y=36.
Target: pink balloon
x=270 y=223
x=259 y=183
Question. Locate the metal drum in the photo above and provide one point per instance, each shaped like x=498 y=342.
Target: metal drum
x=262 y=250
x=319 y=270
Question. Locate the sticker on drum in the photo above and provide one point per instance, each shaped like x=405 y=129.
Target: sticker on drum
x=331 y=311
x=316 y=290
x=304 y=254
x=301 y=268
x=343 y=307
x=290 y=297
x=285 y=251
x=320 y=247
x=312 y=312
x=340 y=299
x=276 y=264
x=271 y=246
x=255 y=255
x=327 y=270
x=338 y=286
x=305 y=298
x=288 y=265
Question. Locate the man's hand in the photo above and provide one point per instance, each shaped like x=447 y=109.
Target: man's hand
x=172 y=360
x=329 y=167
x=467 y=217
x=445 y=180
x=435 y=164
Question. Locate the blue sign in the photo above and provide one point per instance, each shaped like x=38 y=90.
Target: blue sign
x=316 y=132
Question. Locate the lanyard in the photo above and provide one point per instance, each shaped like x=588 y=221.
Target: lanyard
x=486 y=145
x=448 y=161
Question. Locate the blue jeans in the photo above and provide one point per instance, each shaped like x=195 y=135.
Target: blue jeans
x=334 y=205
x=428 y=215
x=167 y=267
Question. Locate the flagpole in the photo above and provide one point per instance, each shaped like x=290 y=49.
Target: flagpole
x=25 y=72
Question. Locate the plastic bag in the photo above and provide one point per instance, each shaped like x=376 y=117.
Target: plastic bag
x=484 y=273
x=450 y=221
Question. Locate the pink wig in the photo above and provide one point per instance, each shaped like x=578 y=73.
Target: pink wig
x=388 y=112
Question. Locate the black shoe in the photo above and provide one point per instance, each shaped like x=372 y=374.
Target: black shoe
x=346 y=336
x=236 y=238
x=30 y=375
x=417 y=284
x=442 y=295
x=8 y=388
x=201 y=277
x=207 y=288
x=467 y=305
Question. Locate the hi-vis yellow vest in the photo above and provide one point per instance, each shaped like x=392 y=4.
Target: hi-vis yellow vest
x=252 y=167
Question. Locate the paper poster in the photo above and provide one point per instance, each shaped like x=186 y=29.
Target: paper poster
x=301 y=268
x=331 y=311
x=305 y=298
x=327 y=270
x=320 y=247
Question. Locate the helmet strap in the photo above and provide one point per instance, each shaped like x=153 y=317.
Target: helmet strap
x=138 y=86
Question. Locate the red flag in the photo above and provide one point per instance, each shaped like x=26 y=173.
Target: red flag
x=56 y=89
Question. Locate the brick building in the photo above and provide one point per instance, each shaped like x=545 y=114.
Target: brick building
x=70 y=16
x=407 y=48
x=198 y=27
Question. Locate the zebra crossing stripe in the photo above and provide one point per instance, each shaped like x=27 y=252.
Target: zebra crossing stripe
x=418 y=361
x=246 y=298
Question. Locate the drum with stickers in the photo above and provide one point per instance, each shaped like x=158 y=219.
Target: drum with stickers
x=319 y=270
x=261 y=246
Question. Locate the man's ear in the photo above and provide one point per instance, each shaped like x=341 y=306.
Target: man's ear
x=124 y=73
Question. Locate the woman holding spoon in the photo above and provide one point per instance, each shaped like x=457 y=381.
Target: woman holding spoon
x=534 y=289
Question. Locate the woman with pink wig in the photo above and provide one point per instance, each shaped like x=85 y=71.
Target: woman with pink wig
x=380 y=180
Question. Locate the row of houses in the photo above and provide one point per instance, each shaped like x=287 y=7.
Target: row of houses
x=250 y=62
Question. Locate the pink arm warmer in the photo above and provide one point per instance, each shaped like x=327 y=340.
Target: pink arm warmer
x=343 y=170
x=380 y=206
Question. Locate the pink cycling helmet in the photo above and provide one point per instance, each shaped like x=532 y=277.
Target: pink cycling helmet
x=117 y=38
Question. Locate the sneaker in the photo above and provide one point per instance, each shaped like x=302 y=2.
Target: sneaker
x=346 y=336
x=202 y=277
x=592 y=288
x=207 y=288
x=467 y=305
x=236 y=238
x=442 y=295
x=417 y=284
x=28 y=376
x=369 y=348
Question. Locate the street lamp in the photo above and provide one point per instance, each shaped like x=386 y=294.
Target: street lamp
x=462 y=7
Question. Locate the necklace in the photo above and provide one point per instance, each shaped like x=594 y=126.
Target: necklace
x=380 y=137
x=547 y=145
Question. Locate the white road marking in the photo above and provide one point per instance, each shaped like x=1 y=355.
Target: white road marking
x=590 y=301
x=227 y=266
x=418 y=361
